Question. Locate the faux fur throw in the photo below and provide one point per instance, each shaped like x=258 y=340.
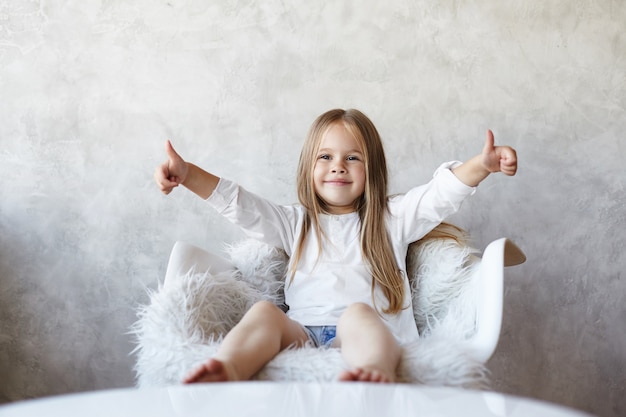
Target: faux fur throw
x=184 y=322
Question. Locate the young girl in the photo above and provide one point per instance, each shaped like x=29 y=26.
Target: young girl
x=347 y=241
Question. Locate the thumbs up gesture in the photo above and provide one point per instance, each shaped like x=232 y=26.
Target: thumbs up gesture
x=172 y=172
x=498 y=158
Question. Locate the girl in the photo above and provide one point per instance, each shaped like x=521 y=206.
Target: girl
x=347 y=242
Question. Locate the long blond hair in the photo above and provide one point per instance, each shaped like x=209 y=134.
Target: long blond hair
x=371 y=207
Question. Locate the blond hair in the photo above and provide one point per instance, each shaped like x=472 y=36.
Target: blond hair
x=371 y=206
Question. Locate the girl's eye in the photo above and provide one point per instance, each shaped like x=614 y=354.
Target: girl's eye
x=352 y=158
x=324 y=156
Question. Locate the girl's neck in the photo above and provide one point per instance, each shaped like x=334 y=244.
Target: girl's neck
x=338 y=213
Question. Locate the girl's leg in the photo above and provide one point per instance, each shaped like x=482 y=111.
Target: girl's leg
x=367 y=346
x=261 y=334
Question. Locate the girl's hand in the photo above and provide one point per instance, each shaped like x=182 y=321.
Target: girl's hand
x=171 y=173
x=498 y=158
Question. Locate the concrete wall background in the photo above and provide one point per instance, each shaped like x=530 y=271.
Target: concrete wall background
x=91 y=89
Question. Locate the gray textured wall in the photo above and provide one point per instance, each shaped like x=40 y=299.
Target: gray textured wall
x=89 y=91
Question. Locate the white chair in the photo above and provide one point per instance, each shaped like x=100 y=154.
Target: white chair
x=490 y=295
x=457 y=299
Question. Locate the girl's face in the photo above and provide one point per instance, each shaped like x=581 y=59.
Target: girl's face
x=339 y=171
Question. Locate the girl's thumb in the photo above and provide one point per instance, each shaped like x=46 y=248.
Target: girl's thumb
x=171 y=153
x=489 y=142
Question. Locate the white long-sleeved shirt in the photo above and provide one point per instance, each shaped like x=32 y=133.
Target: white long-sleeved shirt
x=325 y=284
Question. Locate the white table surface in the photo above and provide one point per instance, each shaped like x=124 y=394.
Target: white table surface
x=286 y=399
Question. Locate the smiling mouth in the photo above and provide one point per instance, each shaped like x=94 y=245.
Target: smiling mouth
x=337 y=182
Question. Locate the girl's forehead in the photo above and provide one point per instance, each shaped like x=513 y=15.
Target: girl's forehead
x=339 y=135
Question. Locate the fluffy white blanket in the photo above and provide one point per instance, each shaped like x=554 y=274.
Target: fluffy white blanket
x=184 y=322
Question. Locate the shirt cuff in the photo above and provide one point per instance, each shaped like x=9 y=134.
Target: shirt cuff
x=445 y=174
x=225 y=192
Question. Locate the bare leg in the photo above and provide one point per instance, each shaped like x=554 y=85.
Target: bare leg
x=262 y=333
x=367 y=346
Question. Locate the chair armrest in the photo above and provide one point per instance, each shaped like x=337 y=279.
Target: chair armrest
x=185 y=257
x=497 y=255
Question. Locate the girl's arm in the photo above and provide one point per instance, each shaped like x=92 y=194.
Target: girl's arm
x=176 y=171
x=259 y=218
x=492 y=159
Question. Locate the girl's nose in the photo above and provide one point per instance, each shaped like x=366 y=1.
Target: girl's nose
x=339 y=169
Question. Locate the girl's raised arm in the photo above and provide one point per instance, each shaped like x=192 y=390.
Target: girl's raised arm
x=175 y=171
x=492 y=159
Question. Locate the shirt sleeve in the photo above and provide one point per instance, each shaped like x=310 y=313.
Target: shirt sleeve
x=422 y=208
x=259 y=218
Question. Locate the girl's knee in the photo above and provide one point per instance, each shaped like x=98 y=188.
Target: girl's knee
x=264 y=309
x=356 y=312
x=360 y=309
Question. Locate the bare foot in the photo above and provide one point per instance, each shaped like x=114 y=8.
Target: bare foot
x=210 y=371
x=365 y=375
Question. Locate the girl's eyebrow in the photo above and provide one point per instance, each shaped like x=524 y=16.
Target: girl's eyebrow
x=332 y=150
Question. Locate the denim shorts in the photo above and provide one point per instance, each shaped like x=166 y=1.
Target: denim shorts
x=321 y=336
